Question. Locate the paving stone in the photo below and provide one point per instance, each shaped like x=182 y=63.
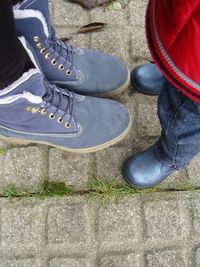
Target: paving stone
x=22 y=225
x=68 y=263
x=196 y=217
x=66 y=13
x=112 y=42
x=19 y=263
x=109 y=162
x=165 y=258
x=130 y=260
x=112 y=18
x=162 y=220
x=137 y=11
x=119 y=224
x=197 y=257
x=24 y=167
x=79 y=40
x=176 y=180
x=194 y=171
x=146 y=116
x=67 y=224
x=73 y=169
x=139 y=47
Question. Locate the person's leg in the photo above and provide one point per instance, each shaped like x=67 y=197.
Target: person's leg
x=177 y=146
x=14 y=60
x=180 y=120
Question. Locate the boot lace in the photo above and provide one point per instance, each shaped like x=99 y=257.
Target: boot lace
x=56 y=97
x=63 y=49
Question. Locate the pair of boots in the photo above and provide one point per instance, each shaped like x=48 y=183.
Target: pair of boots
x=50 y=104
x=44 y=105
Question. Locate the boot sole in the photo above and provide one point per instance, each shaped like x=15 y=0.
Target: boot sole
x=73 y=150
x=117 y=91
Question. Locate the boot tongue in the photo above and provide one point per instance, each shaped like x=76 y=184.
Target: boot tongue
x=40 y=5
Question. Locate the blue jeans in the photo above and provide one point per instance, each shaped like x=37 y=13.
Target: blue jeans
x=180 y=120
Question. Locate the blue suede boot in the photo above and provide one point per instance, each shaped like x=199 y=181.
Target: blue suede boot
x=148 y=79
x=144 y=170
x=34 y=111
x=83 y=71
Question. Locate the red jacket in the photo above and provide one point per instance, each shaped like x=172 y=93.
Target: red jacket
x=173 y=34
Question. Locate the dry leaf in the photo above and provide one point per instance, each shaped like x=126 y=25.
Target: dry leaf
x=117 y=5
x=91 y=27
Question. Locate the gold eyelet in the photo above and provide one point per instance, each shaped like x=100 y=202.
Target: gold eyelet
x=60 y=120
x=51 y=116
x=47 y=56
x=53 y=62
x=39 y=45
x=43 y=51
x=43 y=112
x=35 y=110
x=61 y=67
x=36 y=39
x=28 y=108
x=69 y=72
x=68 y=125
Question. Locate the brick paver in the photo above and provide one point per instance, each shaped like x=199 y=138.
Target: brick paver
x=160 y=229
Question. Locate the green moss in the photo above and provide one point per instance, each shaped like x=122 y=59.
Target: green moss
x=56 y=189
x=10 y=191
x=2 y=152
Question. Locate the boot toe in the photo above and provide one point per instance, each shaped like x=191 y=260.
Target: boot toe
x=144 y=170
x=103 y=121
x=148 y=79
x=103 y=73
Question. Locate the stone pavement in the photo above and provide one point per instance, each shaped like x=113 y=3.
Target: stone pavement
x=160 y=229
x=157 y=230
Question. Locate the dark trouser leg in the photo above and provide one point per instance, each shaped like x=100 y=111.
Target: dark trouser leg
x=180 y=121
x=14 y=60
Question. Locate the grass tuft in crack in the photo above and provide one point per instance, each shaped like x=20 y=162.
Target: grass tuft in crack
x=110 y=190
x=97 y=190
x=48 y=189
